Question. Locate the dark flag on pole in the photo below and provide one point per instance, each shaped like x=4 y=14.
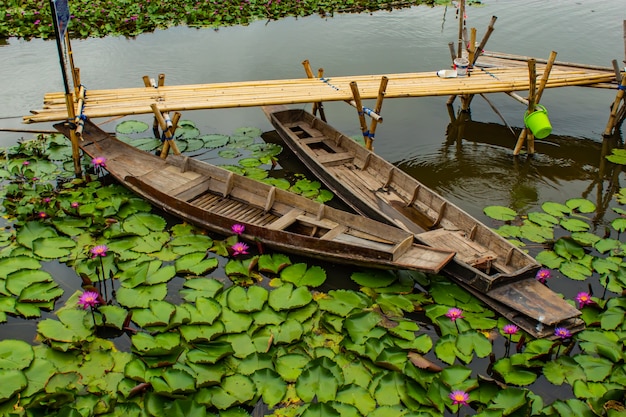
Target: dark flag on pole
x=62 y=15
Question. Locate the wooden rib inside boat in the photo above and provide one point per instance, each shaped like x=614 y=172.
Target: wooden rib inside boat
x=495 y=270
x=216 y=199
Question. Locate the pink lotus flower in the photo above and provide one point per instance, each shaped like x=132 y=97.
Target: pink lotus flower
x=510 y=329
x=89 y=299
x=100 y=250
x=239 y=248
x=583 y=299
x=454 y=313
x=459 y=397
x=543 y=275
x=562 y=333
x=238 y=229
x=74 y=204
x=42 y=215
x=99 y=161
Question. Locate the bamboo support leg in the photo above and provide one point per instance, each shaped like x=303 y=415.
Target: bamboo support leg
x=615 y=107
x=309 y=74
x=526 y=135
x=359 y=107
x=483 y=42
x=379 y=104
x=320 y=105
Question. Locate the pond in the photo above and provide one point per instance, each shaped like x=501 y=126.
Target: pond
x=416 y=135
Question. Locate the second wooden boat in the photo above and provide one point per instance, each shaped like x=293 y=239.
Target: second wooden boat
x=495 y=270
x=216 y=199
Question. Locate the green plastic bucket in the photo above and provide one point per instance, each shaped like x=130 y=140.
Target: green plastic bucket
x=538 y=122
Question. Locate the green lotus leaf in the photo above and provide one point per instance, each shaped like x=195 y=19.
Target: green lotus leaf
x=186 y=408
x=96 y=365
x=193 y=333
x=575 y=271
x=173 y=382
x=324 y=196
x=405 y=329
x=146 y=144
x=513 y=374
x=200 y=287
x=395 y=304
x=509 y=400
x=619 y=224
x=568 y=249
x=114 y=316
x=574 y=225
x=196 y=263
x=185 y=244
x=16 y=263
x=143 y=223
x=53 y=247
x=13 y=381
x=280 y=183
x=241 y=343
x=70 y=328
x=72 y=226
x=374 y=278
x=585 y=238
x=390 y=389
x=289 y=331
x=32 y=231
x=229 y=153
x=550 y=259
x=32 y=310
x=543 y=219
x=605 y=245
x=301 y=275
x=140 y=296
x=235 y=322
x=205 y=311
x=612 y=318
x=242 y=300
x=286 y=297
x=605 y=265
x=40 y=292
x=187 y=131
x=215 y=140
x=233 y=168
x=354 y=373
x=255 y=362
x=341 y=302
x=593 y=390
x=250 y=162
x=290 y=366
x=17 y=281
x=618 y=156
x=360 y=326
x=605 y=344
x=500 y=213
x=38 y=374
x=150 y=243
x=128 y=127
x=252 y=132
x=207 y=375
x=445 y=348
x=273 y=263
x=536 y=233
x=317 y=381
x=270 y=386
x=193 y=144
x=563 y=369
x=268 y=315
x=555 y=209
x=255 y=173
x=139 y=272
x=392 y=358
x=358 y=397
x=581 y=204
x=15 y=354
x=159 y=344
x=509 y=230
x=472 y=341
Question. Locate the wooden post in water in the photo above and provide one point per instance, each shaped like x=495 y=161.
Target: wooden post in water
x=168 y=127
x=309 y=74
x=532 y=74
x=359 y=107
x=619 y=97
x=461 y=27
x=379 y=104
x=320 y=105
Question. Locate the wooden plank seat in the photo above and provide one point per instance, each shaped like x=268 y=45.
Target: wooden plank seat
x=467 y=251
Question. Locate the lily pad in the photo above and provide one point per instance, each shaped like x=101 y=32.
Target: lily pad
x=128 y=127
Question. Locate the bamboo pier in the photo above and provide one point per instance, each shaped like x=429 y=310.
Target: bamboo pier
x=132 y=101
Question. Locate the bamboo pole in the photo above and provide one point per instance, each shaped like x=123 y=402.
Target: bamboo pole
x=167 y=126
x=320 y=105
x=608 y=131
x=79 y=119
x=472 y=45
x=359 y=106
x=309 y=73
x=484 y=40
x=461 y=26
x=525 y=134
x=377 y=109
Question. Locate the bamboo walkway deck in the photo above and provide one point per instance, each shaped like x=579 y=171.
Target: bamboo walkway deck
x=129 y=101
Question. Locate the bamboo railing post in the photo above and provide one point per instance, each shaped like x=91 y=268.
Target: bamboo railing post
x=608 y=131
x=471 y=50
x=483 y=42
x=320 y=105
x=532 y=74
x=452 y=53
x=379 y=104
x=359 y=108
x=79 y=120
x=461 y=26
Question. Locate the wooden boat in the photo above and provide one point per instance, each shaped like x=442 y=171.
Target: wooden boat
x=495 y=270
x=216 y=199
